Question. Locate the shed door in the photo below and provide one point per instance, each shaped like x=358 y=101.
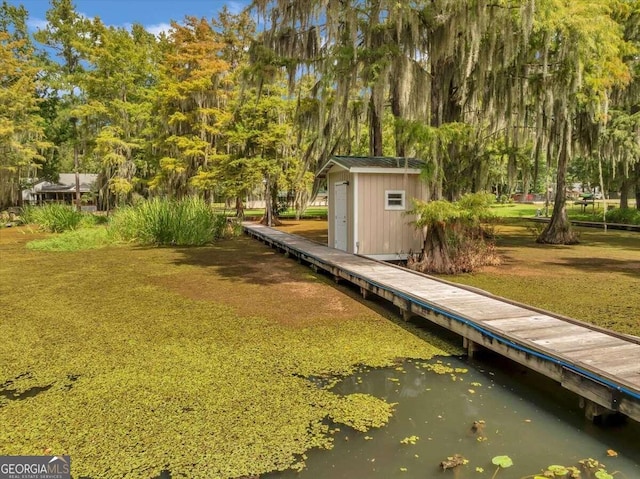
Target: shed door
x=340 y=217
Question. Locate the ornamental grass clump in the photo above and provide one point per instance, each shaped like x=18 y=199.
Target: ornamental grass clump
x=159 y=221
x=53 y=217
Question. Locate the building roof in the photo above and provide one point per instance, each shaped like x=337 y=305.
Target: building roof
x=373 y=164
x=66 y=184
x=84 y=188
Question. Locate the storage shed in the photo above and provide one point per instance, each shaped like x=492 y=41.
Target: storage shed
x=368 y=198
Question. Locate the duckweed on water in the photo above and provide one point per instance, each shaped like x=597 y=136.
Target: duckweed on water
x=136 y=360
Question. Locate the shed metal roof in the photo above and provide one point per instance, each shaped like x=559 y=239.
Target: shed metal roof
x=374 y=164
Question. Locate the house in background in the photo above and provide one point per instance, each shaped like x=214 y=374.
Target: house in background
x=63 y=191
x=368 y=202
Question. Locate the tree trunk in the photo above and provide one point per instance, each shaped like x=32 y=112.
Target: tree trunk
x=436 y=257
x=559 y=231
x=375 y=130
x=268 y=204
x=625 y=187
x=239 y=208
x=637 y=184
x=401 y=149
x=270 y=217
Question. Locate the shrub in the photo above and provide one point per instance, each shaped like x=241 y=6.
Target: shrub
x=187 y=222
x=627 y=216
x=54 y=217
x=457 y=239
x=92 y=219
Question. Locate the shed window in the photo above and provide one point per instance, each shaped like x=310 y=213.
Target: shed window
x=394 y=200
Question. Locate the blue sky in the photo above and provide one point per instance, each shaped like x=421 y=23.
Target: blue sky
x=153 y=14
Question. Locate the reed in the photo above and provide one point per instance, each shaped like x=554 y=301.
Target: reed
x=159 y=221
x=53 y=217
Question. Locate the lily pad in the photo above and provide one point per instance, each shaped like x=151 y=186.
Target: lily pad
x=502 y=461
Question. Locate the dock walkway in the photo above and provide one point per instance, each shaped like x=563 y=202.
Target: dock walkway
x=601 y=366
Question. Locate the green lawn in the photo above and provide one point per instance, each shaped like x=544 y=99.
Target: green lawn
x=133 y=359
x=595 y=281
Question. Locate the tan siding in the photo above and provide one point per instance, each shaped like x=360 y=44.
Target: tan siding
x=381 y=231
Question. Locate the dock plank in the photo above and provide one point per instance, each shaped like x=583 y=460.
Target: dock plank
x=602 y=360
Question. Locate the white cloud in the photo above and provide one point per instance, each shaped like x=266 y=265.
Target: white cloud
x=158 y=28
x=235 y=7
x=36 y=24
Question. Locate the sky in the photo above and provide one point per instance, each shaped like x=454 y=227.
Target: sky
x=155 y=15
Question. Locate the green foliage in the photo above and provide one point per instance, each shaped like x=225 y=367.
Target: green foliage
x=472 y=208
x=21 y=127
x=456 y=240
x=187 y=222
x=626 y=216
x=476 y=207
x=432 y=212
x=74 y=240
x=410 y=440
x=360 y=411
x=92 y=219
x=54 y=217
x=502 y=462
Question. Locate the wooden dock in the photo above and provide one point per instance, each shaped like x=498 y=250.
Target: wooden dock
x=601 y=366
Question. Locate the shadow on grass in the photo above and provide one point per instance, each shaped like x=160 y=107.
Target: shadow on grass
x=599 y=265
x=244 y=260
x=314 y=235
x=522 y=235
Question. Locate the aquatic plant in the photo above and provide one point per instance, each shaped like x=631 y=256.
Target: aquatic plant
x=53 y=217
x=160 y=221
x=360 y=411
x=194 y=360
x=410 y=440
x=591 y=468
x=503 y=462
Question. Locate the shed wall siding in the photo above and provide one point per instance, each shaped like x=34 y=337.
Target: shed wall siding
x=337 y=175
x=383 y=231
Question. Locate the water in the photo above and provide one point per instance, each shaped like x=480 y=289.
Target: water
x=528 y=418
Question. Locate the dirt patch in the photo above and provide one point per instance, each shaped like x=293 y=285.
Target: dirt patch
x=228 y=275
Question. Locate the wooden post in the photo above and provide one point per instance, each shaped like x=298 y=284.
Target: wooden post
x=594 y=412
x=470 y=346
x=364 y=292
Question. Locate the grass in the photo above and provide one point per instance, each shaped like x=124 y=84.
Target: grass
x=595 y=281
x=75 y=240
x=134 y=359
x=53 y=217
x=190 y=221
x=515 y=210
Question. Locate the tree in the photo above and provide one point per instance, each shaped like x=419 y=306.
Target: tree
x=192 y=107
x=69 y=34
x=262 y=129
x=455 y=240
x=21 y=128
x=581 y=48
x=432 y=62
x=121 y=89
